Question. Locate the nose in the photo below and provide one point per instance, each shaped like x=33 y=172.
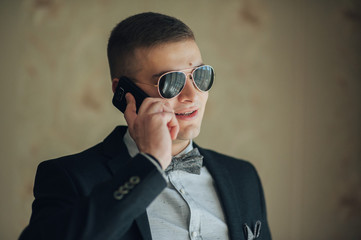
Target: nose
x=189 y=92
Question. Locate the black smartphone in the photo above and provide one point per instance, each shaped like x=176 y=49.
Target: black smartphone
x=126 y=85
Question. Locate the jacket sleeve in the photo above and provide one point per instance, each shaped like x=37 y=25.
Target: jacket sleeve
x=60 y=211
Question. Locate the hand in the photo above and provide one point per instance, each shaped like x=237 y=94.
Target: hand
x=153 y=128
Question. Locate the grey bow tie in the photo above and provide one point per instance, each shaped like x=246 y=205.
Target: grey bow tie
x=190 y=162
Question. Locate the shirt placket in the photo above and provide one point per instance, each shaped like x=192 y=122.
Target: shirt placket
x=194 y=227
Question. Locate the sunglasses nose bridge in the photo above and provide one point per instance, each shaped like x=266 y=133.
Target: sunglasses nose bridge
x=192 y=82
x=188 y=75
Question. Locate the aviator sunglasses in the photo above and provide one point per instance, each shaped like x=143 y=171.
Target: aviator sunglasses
x=170 y=84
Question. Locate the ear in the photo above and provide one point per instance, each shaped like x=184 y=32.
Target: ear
x=114 y=84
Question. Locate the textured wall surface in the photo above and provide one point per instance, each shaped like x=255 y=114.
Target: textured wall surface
x=287 y=98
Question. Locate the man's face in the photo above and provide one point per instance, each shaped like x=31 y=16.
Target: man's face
x=152 y=62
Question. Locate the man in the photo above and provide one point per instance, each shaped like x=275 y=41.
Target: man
x=128 y=186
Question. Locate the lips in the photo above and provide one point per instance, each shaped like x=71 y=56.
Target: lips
x=187 y=115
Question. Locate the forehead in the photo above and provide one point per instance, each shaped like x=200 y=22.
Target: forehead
x=168 y=56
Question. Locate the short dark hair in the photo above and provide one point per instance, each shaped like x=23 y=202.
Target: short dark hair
x=138 y=31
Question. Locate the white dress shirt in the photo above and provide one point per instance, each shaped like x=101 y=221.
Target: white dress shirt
x=188 y=208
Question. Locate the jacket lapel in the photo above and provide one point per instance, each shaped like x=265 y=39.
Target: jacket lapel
x=227 y=193
x=114 y=146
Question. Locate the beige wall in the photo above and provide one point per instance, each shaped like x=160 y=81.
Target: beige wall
x=287 y=98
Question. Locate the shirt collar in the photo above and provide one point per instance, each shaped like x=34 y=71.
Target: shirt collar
x=133 y=149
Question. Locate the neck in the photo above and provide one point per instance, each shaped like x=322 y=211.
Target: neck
x=178 y=146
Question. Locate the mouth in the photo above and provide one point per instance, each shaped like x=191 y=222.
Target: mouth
x=187 y=115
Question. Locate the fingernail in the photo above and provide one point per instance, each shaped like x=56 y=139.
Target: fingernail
x=126 y=97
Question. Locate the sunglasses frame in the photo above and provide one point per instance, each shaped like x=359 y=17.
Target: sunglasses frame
x=186 y=78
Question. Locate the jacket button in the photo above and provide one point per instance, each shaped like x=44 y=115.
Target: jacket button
x=134 y=180
x=129 y=185
x=123 y=190
x=117 y=195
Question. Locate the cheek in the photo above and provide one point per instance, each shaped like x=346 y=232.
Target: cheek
x=204 y=98
x=151 y=91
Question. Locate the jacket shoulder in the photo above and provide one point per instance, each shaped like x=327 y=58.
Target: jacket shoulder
x=84 y=169
x=95 y=155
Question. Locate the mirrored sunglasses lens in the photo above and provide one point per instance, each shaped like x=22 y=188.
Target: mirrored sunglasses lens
x=171 y=84
x=204 y=77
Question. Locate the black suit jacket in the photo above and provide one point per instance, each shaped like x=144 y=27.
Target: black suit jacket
x=74 y=195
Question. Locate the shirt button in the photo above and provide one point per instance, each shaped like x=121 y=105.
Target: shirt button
x=194 y=234
x=182 y=192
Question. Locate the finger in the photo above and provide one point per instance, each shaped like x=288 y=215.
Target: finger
x=155 y=106
x=173 y=126
x=170 y=119
x=167 y=107
x=130 y=112
x=146 y=102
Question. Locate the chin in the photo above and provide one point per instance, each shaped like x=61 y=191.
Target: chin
x=188 y=133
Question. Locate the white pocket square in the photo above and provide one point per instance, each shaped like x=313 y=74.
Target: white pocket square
x=252 y=234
